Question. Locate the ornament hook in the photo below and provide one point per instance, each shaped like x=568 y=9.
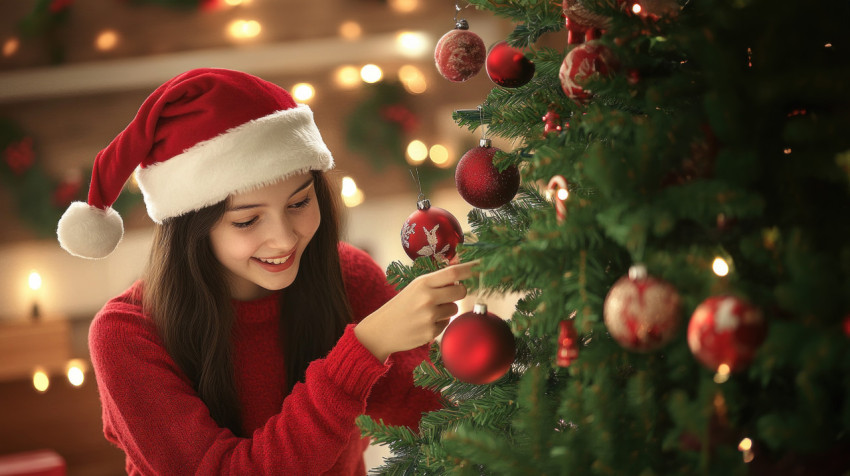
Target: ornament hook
x=418 y=183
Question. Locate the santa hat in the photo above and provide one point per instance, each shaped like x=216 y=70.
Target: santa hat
x=198 y=138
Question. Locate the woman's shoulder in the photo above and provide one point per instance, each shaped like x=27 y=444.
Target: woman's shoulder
x=357 y=264
x=121 y=315
x=365 y=281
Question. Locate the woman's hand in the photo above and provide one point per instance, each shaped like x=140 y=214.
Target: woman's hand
x=417 y=314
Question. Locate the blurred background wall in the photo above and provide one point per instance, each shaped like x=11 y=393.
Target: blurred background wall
x=73 y=74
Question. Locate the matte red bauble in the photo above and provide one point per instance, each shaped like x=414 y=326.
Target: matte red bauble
x=480 y=183
x=726 y=330
x=508 y=67
x=460 y=53
x=478 y=347
x=431 y=231
x=584 y=62
x=641 y=312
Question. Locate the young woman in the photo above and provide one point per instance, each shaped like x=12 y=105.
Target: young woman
x=254 y=338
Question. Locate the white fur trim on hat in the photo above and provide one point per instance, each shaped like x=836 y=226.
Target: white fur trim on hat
x=89 y=232
x=249 y=156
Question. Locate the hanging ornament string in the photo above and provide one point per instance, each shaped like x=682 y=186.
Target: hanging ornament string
x=418 y=183
x=481 y=119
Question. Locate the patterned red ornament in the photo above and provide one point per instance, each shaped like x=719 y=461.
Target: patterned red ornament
x=641 y=312
x=584 y=62
x=507 y=66
x=478 y=347
x=567 y=343
x=726 y=330
x=480 y=183
x=460 y=53
x=431 y=231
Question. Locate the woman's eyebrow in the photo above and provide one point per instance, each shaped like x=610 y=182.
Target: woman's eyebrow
x=255 y=205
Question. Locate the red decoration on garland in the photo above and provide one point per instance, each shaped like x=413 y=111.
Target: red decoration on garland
x=58 y=6
x=460 y=53
x=431 y=231
x=401 y=115
x=68 y=190
x=480 y=183
x=726 y=330
x=19 y=155
x=567 y=343
x=551 y=122
x=478 y=347
x=507 y=66
x=641 y=312
x=582 y=63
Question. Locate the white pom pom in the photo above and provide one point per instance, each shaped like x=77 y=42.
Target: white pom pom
x=90 y=232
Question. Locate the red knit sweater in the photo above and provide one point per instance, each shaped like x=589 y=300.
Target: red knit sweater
x=152 y=413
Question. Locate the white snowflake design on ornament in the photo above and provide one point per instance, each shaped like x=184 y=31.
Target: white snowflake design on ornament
x=431 y=248
x=407 y=230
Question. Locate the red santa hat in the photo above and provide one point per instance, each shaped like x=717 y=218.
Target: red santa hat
x=198 y=138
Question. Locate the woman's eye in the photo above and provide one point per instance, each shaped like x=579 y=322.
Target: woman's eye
x=302 y=203
x=244 y=224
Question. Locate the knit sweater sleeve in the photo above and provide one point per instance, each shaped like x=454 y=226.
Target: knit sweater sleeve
x=394 y=398
x=151 y=411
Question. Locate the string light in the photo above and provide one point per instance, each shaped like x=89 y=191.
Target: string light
x=723 y=372
x=720 y=267
x=411 y=44
x=787 y=151
x=76 y=372
x=40 y=380
x=350 y=30
x=371 y=73
x=244 y=29
x=746 y=447
x=347 y=77
x=404 y=6
x=351 y=195
x=303 y=92
x=10 y=46
x=106 y=40
x=636 y=8
x=417 y=151
x=439 y=155
x=412 y=79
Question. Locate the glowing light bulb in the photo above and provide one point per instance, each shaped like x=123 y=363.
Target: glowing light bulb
x=350 y=30
x=40 y=380
x=371 y=73
x=720 y=267
x=303 y=92
x=417 y=151
x=351 y=195
x=411 y=44
x=10 y=47
x=34 y=281
x=745 y=444
x=723 y=372
x=404 y=6
x=244 y=29
x=563 y=194
x=412 y=79
x=347 y=77
x=439 y=155
x=636 y=8
x=106 y=40
x=76 y=371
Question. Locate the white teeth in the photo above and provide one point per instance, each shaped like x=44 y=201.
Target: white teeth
x=274 y=261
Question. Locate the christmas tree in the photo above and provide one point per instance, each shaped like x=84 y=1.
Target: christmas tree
x=685 y=306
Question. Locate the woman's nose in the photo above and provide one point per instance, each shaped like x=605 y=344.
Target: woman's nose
x=281 y=234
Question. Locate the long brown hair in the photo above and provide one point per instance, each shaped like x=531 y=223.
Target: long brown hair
x=186 y=294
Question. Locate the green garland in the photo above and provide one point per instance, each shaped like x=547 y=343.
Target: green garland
x=40 y=199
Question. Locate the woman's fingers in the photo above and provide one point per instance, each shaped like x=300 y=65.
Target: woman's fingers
x=452 y=292
x=451 y=274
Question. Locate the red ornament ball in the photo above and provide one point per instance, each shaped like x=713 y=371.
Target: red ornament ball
x=507 y=66
x=480 y=183
x=478 y=347
x=584 y=62
x=641 y=312
x=431 y=231
x=460 y=53
x=726 y=330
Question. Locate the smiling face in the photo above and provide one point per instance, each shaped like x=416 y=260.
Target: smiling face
x=263 y=233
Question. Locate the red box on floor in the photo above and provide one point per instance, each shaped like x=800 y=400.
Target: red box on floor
x=32 y=463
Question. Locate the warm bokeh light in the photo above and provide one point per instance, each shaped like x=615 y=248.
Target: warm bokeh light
x=787 y=151
x=636 y=8
x=34 y=281
x=745 y=445
x=563 y=194
x=371 y=73
x=720 y=267
x=347 y=77
x=404 y=6
x=303 y=92
x=722 y=374
x=236 y=3
x=244 y=29
x=439 y=155
x=417 y=151
x=412 y=79
x=106 y=40
x=351 y=195
x=10 y=47
x=412 y=44
x=350 y=30
x=40 y=380
x=76 y=372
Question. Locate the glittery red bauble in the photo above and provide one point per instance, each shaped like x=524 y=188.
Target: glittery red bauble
x=507 y=66
x=726 y=330
x=480 y=183
x=582 y=63
x=431 y=231
x=460 y=53
x=641 y=312
x=478 y=347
